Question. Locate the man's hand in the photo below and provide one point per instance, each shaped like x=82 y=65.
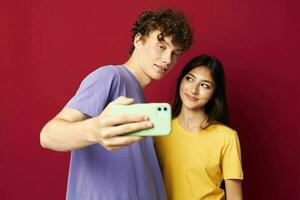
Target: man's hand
x=71 y=129
x=110 y=131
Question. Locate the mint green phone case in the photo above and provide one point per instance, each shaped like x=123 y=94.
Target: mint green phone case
x=159 y=114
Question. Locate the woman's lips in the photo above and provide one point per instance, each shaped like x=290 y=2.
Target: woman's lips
x=191 y=98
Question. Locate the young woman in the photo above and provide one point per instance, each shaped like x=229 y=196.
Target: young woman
x=202 y=150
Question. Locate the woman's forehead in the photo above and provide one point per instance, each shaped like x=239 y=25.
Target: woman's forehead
x=201 y=72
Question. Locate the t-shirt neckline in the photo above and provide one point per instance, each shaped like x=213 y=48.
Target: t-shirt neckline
x=132 y=76
x=191 y=134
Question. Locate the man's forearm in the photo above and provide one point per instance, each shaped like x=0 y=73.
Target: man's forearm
x=63 y=135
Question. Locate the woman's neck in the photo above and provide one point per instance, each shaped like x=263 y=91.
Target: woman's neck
x=192 y=121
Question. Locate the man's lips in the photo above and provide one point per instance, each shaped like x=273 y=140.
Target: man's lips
x=161 y=67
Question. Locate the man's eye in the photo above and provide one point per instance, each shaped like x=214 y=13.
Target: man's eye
x=177 y=54
x=162 y=47
x=174 y=55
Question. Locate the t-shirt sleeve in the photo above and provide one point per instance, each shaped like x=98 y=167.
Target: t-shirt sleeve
x=231 y=162
x=95 y=91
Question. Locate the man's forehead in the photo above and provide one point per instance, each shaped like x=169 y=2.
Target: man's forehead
x=167 y=39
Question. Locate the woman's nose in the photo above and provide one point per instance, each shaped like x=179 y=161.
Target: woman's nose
x=195 y=89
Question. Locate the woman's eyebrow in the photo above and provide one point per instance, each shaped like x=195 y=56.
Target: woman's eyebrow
x=190 y=74
x=207 y=81
x=203 y=80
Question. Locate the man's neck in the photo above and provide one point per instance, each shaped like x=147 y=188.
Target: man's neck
x=133 y=66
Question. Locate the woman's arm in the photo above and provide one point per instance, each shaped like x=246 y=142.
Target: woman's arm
x=233 y=189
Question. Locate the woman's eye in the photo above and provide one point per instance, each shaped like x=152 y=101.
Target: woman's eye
x=205 y=86
x=188 y=78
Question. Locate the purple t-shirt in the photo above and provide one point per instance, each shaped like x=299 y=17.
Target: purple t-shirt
x=131 y=173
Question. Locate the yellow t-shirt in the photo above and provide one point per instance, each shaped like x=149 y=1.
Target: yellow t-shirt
x=194 y=164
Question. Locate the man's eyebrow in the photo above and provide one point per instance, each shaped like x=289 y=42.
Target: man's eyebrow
x=161 y=38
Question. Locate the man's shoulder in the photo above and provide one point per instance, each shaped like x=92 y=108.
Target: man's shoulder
x=107 y=72
x=107 y=69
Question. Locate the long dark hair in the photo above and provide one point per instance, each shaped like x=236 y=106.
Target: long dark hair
x=216 y=109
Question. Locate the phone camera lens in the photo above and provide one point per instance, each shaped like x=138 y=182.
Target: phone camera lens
x=159 y=109
x=165 y=109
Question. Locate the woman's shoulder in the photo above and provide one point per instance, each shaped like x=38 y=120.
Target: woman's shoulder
x=223 y=129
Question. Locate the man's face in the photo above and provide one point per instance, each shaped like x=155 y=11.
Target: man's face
x=156 y=54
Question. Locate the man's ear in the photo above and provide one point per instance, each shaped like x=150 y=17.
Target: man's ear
x=138 y=40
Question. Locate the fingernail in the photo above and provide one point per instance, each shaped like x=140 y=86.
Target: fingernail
x=145 y=118
x=149 y=124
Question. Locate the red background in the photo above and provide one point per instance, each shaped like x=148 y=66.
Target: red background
x=47 y=47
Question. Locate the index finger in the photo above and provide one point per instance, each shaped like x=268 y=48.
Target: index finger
x=123 y=119
x=122 y=101
x=127 y=128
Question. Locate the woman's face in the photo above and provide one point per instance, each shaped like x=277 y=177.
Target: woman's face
x=196 y=88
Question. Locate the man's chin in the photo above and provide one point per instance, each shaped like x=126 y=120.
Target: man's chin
x=158 y=76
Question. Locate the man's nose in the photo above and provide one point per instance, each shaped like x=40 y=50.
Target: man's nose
x=167 y=57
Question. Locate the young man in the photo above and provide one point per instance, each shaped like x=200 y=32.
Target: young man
x=132 y=172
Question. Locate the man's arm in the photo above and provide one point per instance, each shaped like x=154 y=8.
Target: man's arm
x=71 y=129
x=233 y=189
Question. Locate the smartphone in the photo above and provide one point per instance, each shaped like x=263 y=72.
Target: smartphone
x=158 y=113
